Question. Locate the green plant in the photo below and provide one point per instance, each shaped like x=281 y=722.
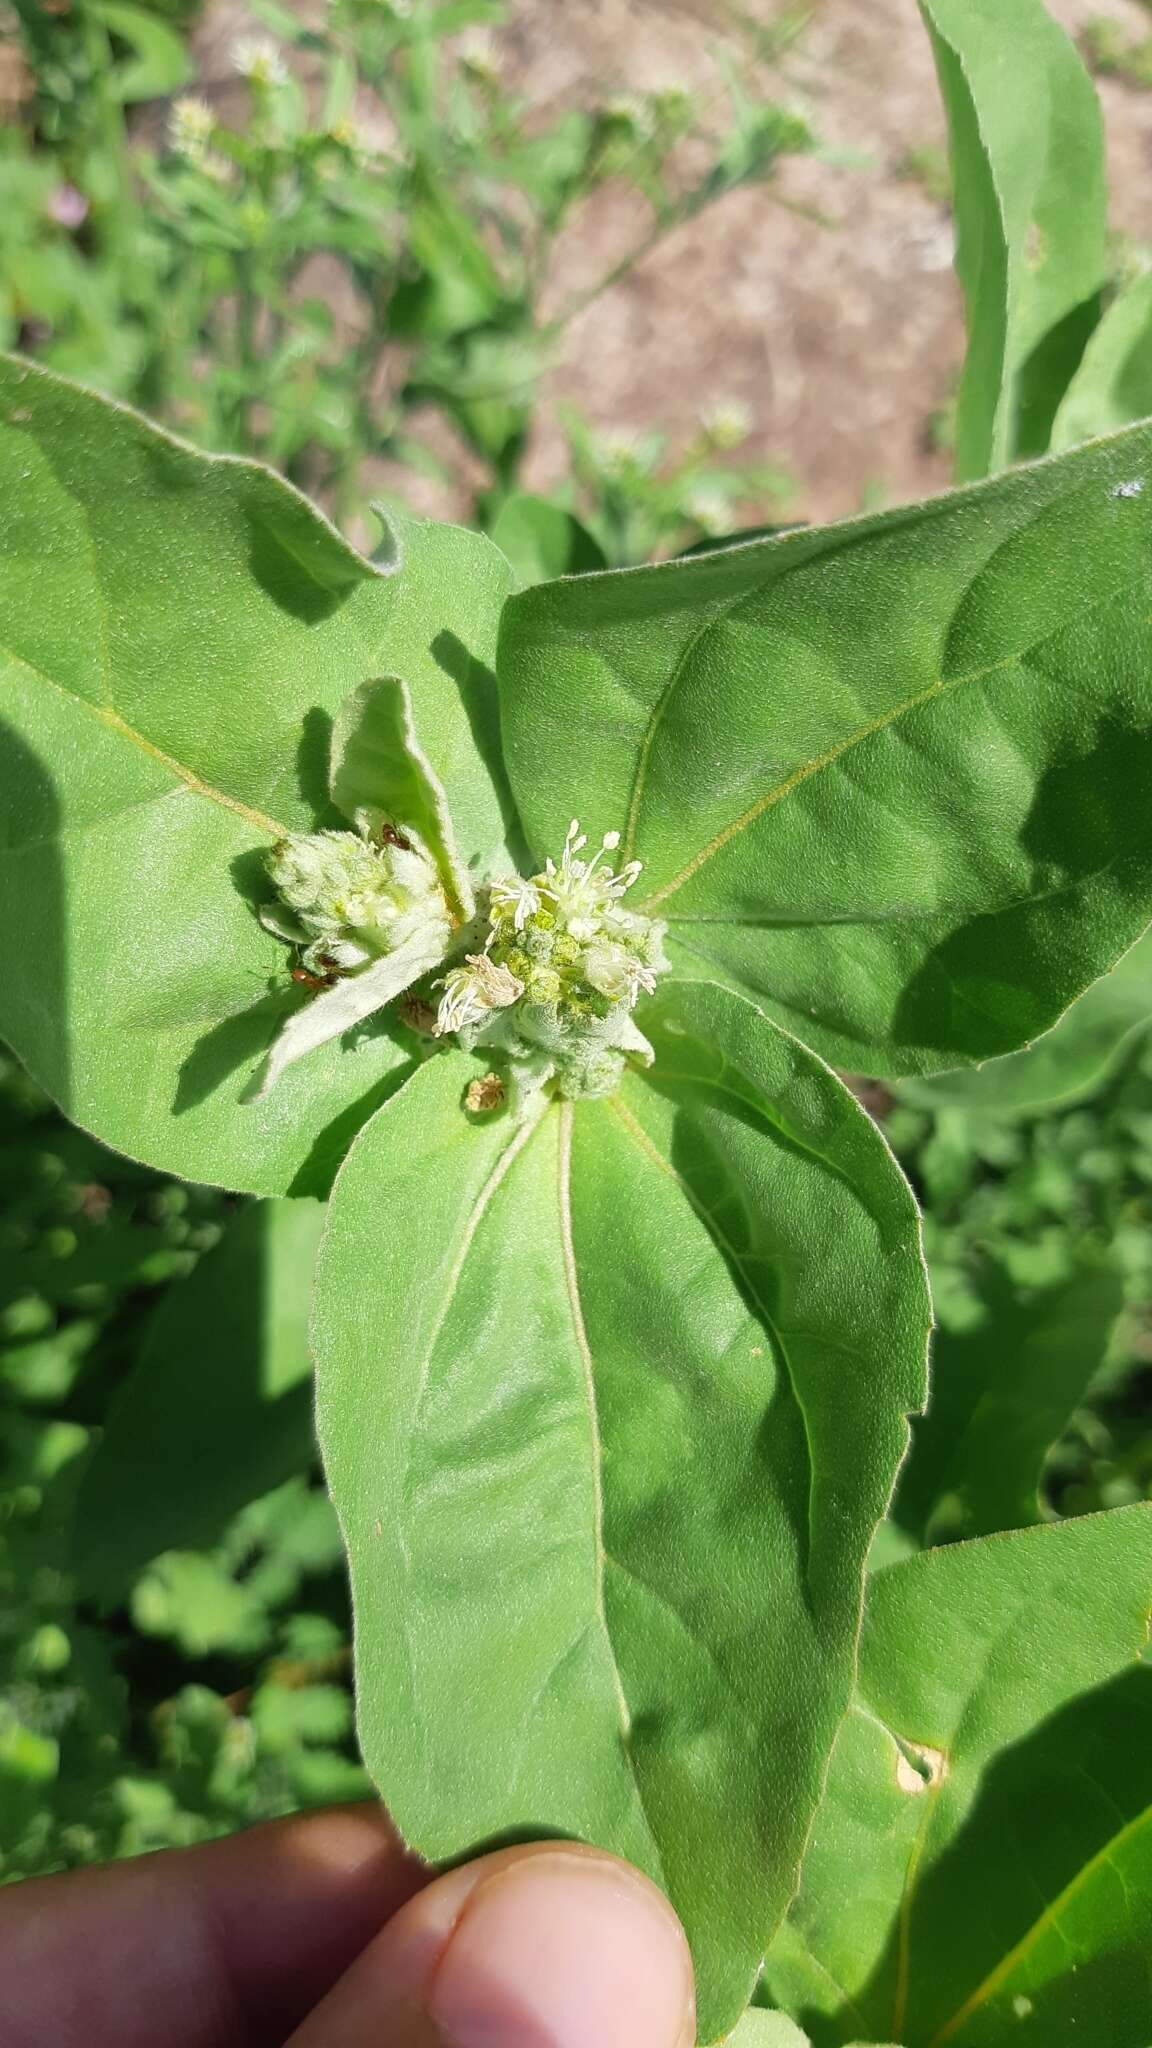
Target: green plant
x=620 y=1308
x=385 y=142
x=1113 y=53
x=257 y=1722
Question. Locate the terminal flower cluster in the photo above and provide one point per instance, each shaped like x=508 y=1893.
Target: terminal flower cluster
x=563 y=966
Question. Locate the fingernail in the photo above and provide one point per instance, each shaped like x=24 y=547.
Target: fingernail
x=565 y=1951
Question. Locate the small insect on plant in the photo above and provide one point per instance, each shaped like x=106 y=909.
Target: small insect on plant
x=572 y=904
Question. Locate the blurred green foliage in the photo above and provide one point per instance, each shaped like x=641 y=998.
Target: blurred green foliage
x=218 y=1692
x=351 y=232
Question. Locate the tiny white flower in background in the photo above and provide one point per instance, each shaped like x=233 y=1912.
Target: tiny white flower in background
x=710 y=509
x=727 y=423
x=258 y=59
x=191 y=124
x=620 y=449
x=478 y=54
x=632 y=110
x=352 y=135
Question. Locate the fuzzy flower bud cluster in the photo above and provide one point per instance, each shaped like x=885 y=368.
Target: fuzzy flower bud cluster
x=258 y=59
x=191 y=126
x=347 y=897
x=562 y=970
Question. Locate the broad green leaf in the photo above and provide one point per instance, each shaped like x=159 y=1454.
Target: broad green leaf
x=980 y=1872
x=890 y=777
x=177 y=633
x=542 y=541
x=1068 y=1062
x=1003 y=1392
x=1031 y=216
x=219 y=1407
x=378 y=765
x=611 y=1401
x=1113 y=384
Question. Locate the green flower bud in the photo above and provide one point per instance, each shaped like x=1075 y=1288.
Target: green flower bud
x=368 y=899
x=542 y=986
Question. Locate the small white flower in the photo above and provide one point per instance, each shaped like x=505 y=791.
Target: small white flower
x=191 y=124
x=710 y=509
x=617 y=973
x=514 y=897
x=478 y=55
x=471 y=993
x=727 y=423
x=258 y=59
x=583 y=892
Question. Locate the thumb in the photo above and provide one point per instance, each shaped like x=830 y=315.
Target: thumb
x=550 y=1946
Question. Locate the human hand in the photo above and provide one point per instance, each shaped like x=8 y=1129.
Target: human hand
x=322 y=1932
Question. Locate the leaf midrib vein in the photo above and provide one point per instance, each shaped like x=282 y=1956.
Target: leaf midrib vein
x=655 y=1157
x=107 y=715
x=584 y=1353
x=1049 y=1918
x=818 y=763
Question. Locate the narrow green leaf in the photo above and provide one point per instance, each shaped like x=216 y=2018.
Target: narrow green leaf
x=160 y=62
x=328 y=1015
x=1002 y=1394
x=611 y=1402
x=981 y=1868
x=177 y=632
x=442 y=640
x=219 y=1407
x=1113 y=384
x=542 y=541
x=892 y=777
x=378 y=766
x=1068 y=1062
x=1031 y=216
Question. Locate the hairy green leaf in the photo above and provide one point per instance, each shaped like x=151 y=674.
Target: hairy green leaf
x=891 y=778
x=219 y=1407
x=1031 y=216
x=1002 y=1394
x=1113 y=384
x=611 y=1401
x=1068 y=1062
x=981 y=1868
x=378 y=766
x=178 y=632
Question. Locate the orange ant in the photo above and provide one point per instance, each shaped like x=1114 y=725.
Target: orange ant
x=326 y=979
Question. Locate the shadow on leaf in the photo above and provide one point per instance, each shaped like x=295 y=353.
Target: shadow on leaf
x=990 y=986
